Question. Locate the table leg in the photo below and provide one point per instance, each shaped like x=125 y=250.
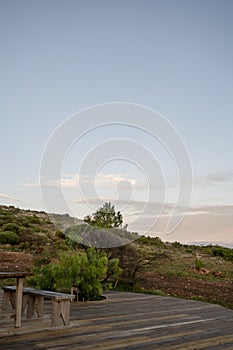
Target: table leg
x=19 y=297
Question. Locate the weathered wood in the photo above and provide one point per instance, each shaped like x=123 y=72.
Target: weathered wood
x=15 y=274
x=127 y=321
x=19 y=296
x=9 y=300
x=61 y=309
x=35 y=303
x=60 y=303
x=44 y=293
x=20 y=276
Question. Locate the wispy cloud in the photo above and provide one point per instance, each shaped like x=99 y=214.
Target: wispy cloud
x=114 y=178
x=214 y=178
x=66 y=182
x=5 y=196
x=72 y=181
x=211 y=209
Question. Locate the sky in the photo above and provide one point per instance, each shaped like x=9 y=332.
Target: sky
x=173 y=57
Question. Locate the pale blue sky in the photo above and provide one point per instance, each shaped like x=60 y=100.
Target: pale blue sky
x=58 y=57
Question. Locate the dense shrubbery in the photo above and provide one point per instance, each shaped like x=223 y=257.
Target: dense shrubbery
x=9 y=237
x=150 y=240
x=177 y=244
x=88 y=271
x=24 y=225
x=34 y=219
x=222 y=252
x=11 y=226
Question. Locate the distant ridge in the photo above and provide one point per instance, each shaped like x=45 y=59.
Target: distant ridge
x=219 y=243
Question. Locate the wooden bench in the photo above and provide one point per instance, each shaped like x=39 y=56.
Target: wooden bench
x=34 y=300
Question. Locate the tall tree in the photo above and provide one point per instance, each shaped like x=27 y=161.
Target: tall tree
x=105 y=217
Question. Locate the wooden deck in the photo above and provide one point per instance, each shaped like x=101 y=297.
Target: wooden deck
x=126 y=321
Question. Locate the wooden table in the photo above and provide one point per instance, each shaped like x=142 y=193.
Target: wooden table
x=20 y=276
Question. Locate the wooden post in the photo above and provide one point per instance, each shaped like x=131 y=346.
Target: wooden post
x=60 y=308
x=19 y=296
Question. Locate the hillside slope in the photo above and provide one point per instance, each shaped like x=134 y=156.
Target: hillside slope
x=148 y=264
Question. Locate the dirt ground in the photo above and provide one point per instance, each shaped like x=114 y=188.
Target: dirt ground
x=219 y=292
x=11 y=261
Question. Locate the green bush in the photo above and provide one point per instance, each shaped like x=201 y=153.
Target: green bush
x=11 y=226
x=60 y=234
x=223 y=252
x=34 y=219
x=25 y=223
x=199 y=264
x=36 y=229
x=189 y=249
x=85 y=270
x=150 y=240
x=9 y=237
x=177 y=244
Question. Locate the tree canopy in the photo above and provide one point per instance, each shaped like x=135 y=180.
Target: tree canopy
x=105 y=217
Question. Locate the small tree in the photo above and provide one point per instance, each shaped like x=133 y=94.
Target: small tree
x=85 y=270
x=105 y=217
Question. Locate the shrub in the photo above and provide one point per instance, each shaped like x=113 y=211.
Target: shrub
x=35 y=229
x=34 y=219
x=199 y=264
x=150 y=240
x=223 y=252
x=26 y=223
x=85 y=270
x=11 y=226
x=189 y=249
x=9 y=237
x=60 y=234
x=177 y=244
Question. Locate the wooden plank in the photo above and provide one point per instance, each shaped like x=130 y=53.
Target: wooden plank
x=45 y=293
x=15 y=274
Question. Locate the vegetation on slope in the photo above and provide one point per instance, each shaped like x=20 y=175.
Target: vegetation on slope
x=147 y=264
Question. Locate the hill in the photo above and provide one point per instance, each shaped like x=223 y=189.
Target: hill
x=29 y=238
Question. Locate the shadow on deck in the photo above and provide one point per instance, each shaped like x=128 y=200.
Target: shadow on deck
x=126 y=321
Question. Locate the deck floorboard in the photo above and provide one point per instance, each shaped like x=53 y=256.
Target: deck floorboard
x=125 y=321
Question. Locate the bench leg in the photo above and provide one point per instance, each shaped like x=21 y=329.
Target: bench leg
x=35 y=303
x=9 y=298
x=60 y=308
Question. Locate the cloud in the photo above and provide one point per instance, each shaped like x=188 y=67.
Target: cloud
x=214 y=178
x=66 y=182
x=72 y=181
x=116 y=178
x=104 y=181
x=5 y=196
x=211 y=209
x=203 y=223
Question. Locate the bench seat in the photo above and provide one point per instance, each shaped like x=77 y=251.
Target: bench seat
x=34 y=300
